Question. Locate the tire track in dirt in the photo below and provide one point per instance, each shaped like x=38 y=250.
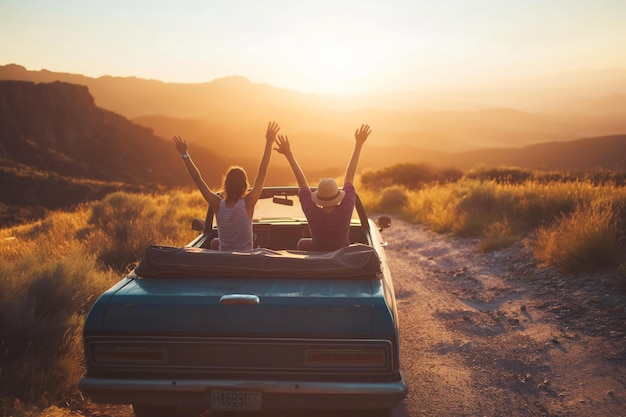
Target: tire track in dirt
x=438 y=385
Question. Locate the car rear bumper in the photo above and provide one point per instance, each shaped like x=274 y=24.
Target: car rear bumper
x=275 y=394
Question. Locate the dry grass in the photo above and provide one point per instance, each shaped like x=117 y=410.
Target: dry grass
x=590 y=236
x=502 y=212
x=52 y=272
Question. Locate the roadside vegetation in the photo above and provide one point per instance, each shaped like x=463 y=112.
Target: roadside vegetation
x=52 y=270
x=572 y=221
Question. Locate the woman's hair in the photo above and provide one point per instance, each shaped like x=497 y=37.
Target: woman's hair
x=235 y=184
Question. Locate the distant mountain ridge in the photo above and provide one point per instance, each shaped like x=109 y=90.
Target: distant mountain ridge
x=134 y=97
x=605 y=153
x=235 y=110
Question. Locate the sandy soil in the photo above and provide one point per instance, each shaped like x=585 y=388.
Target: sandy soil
x=498 y=335
x=494 y=334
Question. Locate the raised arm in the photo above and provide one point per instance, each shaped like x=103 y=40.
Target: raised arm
x=253 y=196
x=282 y=146
x=211 y=198
x=360 y=135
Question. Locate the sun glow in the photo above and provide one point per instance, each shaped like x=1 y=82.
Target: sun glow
x=322 y=47
x=333 y=68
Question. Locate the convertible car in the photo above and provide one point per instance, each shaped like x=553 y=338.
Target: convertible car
x=275 y=328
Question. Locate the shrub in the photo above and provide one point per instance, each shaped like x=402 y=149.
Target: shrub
x=409 y=176
x=477 y=209
x=588 y=237
x=393 y=199
x=434 y=206
x=509 y=175
x=498 y=235
x=125 y=224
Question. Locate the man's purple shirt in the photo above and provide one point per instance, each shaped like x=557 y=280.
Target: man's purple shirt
x=329 y=230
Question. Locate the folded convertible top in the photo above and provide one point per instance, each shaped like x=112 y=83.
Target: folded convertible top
x=354 y=261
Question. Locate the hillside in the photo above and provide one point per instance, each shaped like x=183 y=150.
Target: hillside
x=57 y=127
x=587 y=154
x=58 y=148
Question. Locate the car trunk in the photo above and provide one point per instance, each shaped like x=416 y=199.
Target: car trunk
x=232 y=307
x=298 y=329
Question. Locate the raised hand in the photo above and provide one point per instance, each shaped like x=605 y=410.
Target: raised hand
x=282 y=145
x=272 y=130
x=180 y=144
x=362 y=133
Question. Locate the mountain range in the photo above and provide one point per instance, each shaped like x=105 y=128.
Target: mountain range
x=92 y=135
x=227 y=113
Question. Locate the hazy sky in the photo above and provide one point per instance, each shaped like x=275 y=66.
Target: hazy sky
x=318 y=46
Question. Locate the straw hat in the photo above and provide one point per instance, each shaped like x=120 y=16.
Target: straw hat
x=328 y=193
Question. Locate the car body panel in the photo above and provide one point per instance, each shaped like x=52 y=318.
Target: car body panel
x=192 y=306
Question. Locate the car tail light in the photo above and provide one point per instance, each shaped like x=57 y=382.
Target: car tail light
x=129 y=356
x=345 y=358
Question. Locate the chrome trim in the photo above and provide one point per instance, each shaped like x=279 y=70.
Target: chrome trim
x=239 y=299
x=127 y=386
x=243 y=340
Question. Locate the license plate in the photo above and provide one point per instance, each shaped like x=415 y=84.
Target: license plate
x=235 y=400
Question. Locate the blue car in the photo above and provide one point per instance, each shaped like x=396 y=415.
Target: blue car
x=279 y=327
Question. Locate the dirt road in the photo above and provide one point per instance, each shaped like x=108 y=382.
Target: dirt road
x=495 y=334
